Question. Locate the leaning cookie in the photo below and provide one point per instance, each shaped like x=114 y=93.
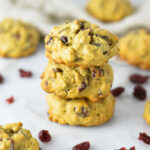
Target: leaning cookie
x=17 y=38
x=109 y=10
x=80 y=43
x=146 y=114
x=76 y=82
x=135 y=48
x=14 y=137
x=80 y=111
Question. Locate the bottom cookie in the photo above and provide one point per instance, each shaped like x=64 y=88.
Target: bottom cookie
x=146 y=114
x=80 y=111
x=14 y=137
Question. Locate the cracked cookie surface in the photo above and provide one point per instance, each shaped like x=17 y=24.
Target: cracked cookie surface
x=14 y=137
x=80 y=111
x=109 y=10
x=76 y=82
x=80 y=43
x=135 y=48
x=17 y=38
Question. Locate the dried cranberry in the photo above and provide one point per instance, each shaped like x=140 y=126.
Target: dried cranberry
x=49 y=41
x=24 y=73
x=83 y=86
x=123 y=148
x=17 y=36
x=84 y=112
x=97 y=44
x=81 y=25
x=10 y=100
x=144 y=137
x=136 y=78
x=105 y=52
x=1 y=79
x=12 y=145
x=139 y=92
x=64 y=39
x=132 y=148
x=105 y=37
x=82 y=146
x=44 y=136
x=117 y=91
x=57 y=70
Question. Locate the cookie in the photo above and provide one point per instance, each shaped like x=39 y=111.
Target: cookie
x=146 y=114
x=80 y=43
x=76 y=82
x=80 y=111
x=135 y=48
x=109 y=10
x=17 y=39
x=14 y=137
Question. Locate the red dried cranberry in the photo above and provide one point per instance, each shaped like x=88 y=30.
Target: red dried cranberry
x=44 y=136
x=139 y=92
x=1 y=79
x=123 y=148
x=10 y=100
x=136 y=78
x=144 y=137
x=24 y=73
x=132 y=148
x=64 y=39
x=83 y=86
x=117 y=91
x=82 y=146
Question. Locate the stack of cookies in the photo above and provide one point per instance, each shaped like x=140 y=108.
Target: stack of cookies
x=77 y=78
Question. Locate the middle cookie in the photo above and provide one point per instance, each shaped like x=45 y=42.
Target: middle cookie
x=93 y=83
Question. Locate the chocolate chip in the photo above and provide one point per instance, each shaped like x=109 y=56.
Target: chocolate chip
x=84 y=112
x=82 y=87
x=64 y=39
x=49 y=41
x=57 y=70
x=105 y=52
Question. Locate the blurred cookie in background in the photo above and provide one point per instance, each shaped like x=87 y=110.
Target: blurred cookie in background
x=135 y=48
x=109 y=10
x=14 y=137
x=17 y=38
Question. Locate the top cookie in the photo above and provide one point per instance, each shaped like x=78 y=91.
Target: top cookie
x=109 y=10
x=135 y=48
x=80 y=43
x=14 y=137
x=17 y=39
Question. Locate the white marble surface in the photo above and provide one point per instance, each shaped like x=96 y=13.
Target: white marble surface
x=30 y=107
